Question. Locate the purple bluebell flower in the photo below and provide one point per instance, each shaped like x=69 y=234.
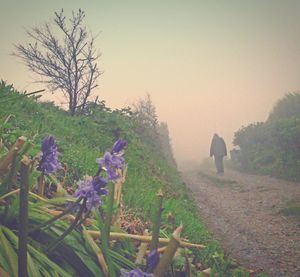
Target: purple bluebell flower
x=136 y=273
x=48 y=159
x=111 y=160
x=92 y=189
x=99 y=184
x=112 y=163
x=93 y=200
x=119 y=146
x=84 y=187
x=152 y=259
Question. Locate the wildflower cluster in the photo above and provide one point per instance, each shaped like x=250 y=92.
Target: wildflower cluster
x=113 y=162
x=152 y=262
x=49 y=156
x=136 y=273
x=93 y=188
x=152 y=259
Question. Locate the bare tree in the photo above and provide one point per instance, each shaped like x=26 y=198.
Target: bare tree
x=64 y=57
x=144 y=114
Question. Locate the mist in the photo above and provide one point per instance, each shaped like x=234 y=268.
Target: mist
x=210 y=67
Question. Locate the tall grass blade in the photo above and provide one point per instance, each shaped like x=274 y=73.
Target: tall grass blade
x=9 y=254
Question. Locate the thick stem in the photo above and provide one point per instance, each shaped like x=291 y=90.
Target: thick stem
x=156 y=221
x=7 y=183
x=169 y=253
x=41 y=185
x=6 y=161
x=25 y=148
x=23 y=218
x=188 y=267
x=163 y=241
x=142 y=250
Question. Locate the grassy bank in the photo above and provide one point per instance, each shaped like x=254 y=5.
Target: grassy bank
x=82 y=139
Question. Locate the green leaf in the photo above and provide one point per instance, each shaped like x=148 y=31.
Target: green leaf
x=10 y=254
x=121 y=261
x=33 y=269
x=38 y=257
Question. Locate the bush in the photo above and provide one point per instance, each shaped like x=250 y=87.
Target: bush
x=272 y=147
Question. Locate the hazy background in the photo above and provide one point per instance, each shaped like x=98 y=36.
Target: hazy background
x=210 y=66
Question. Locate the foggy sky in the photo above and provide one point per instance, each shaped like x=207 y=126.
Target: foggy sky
x=209 y=66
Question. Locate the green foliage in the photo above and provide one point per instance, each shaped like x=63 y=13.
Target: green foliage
x=287 y=107
x=220 y=182
x=165 y=143
x=272 y=147
x=145 y=117
x=292 y=209
x=81 y=139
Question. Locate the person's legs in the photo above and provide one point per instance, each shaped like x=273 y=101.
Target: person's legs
x=219 y=164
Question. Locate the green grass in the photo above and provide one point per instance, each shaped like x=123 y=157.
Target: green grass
x=82 y=139
x=218 y=181
x=292 y=210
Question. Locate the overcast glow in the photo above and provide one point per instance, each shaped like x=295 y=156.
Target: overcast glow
x=210 y=66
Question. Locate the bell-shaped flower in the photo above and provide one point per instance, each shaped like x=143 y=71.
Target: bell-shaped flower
x=49 y=156
x=119 y=146
x=152 y=259
x=136 y=273
x=92 y=189
x=113 y=163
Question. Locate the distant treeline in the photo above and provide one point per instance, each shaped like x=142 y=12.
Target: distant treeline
x=150 y=130
x=272 y=147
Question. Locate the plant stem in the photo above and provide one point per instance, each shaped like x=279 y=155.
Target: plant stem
x=97 y=252
x=156 y=221
x=141 y=238
x=56 y=217
x=169 y=253
x=25 y=148
x=41 y=185
x=23 y=218
x=8 y=180
x=106 y=229
x=69 y=230
x=109 y=213
x=16 y=191
x=6 y=161
x=81 y=221
x=142 y=250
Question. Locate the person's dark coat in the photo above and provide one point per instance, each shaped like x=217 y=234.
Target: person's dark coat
x=218 y=147
x=218 y=150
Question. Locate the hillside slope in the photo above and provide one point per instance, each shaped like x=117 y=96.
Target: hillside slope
x=82 y=139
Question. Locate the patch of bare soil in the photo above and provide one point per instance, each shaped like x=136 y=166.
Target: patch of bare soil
x=243 y=212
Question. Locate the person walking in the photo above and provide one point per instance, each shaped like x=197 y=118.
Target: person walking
x=218 y=150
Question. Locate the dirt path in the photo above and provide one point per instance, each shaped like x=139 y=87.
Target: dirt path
x=242 y=211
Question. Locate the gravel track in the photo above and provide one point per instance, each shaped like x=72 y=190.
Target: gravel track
x=243 y=212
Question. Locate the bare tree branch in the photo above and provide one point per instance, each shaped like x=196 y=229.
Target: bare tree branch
x=65 y=58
